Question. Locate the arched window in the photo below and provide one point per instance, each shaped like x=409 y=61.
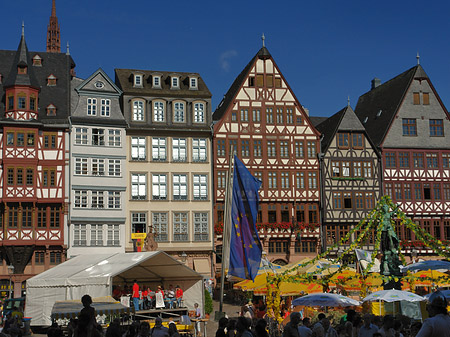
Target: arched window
x=158 y=111
x=138 y=111
x=199 y=113
x=178 y=112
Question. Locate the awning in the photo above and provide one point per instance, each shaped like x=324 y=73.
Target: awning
x=202 y=266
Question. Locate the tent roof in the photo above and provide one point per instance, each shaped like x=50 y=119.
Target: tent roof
x=145 y=266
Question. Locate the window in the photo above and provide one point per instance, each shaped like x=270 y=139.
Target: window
x=221 y=148
x=359 y=200
x=180 y=226
x=279 y=115
x=343 y=141
x=271 y=148
x=233 y=116
x=10 y=138
x=418 y=160
x=300 y=180
x=312 y=214
x=193 y=83
x=138 y=186
x=27 y=215
x=446 y=160
x=21 y=102
x=138 y=145
x=158 y=112
x=269 y=81
x=51 y=110
x=55 y=257
x=114 y=199
x=284 y=149
x=345 y=169
x=138 y=80
x=337 y=201
x=311 y=146
x=114 y=138
x=10 y=102
x=30 y=177
x=398 y=191
x=418 y=191
x=30 y=139
x=48 y=177
x=81 y=136
x=79 y=235
x=175 y=82
x=19 y=176
x=179 y=149
x=258 y=175
x=416 y=98
x=159 y=149
x=178 y=112
x=403 y=159
x=97 y=200
x=200 y=187
x=179 y=187
x=20 y=139
x=390 y=160
x=357 y=171
x=426 y=191
x=33 y=103
x=347 y=200
x=138 y=111
x=257 y=149
x=114 y=168
x=233 y=146
x=260 y=80
x=138 y=222
x=199 y=150
x=113 y=235
x=370 y=201
x=446 y=192
x=49 y=141
x=357 y=142
x=98 y=137
x=256 y=115
x=98 y=167
x=436 y=128
x=221 y=179
x=426 y=98
x=159 y=188
x=278 y=246
x=199 y=113
x=160 y=228
x=105 y=107
x=269 y=115
x=277 y=82
x=156 y=81
x=41 y=216
x=407 y=191
x=409 y=127
x=272 y=180
x=244 y=115
x=54 y=216
x=251 y=81
x=245 y=148
x=312 y=180
x=284 y=180
x=10 y=176
x=299 y=151
x=80 y=200
x=437 y=191
x=96 y=235
x=432 y=160
x=92 y=106
x=289 y=116
x=201 y=226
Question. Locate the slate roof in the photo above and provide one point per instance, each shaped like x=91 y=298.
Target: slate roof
x=21 y=59
x=263 y=53
x=381 y=104
x=57 y=64
x=316 y=120
x=124 y=80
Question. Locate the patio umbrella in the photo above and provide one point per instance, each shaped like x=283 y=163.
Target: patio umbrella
x=446 y=293
x=438 y=265
x=325 y=300
x=393 y=295
x=291 y=289
x=422 y=281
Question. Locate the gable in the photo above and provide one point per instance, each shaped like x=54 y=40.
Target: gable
x=98 y=83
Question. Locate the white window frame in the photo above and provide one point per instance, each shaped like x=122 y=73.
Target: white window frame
x=114 y=168
x=138 y=80
x=156 y=81
x=81 y=136
x=175 y=82
x=199 y=112
x=79 y=235
x=159 y=187
x=98 y=167
x=80 y=199
x=105 y=105
x=201 y=226
x=138 y=148
x=98 y=137
x=114 y=200
x=200 y=186
x=138 y=107
x=179 y=149
x=138 y=218
x=199 y=150
x=96 y=232
x=159 y=150
x=97 y=199
x=113 y=235
x=160 y=225
x=138 y=186
x=180 y=226
x=179 y=112
x=193 y=83
x=158 y=112
x=92 y=106
x=115 y=138
x=179 y=183
x=81 y=166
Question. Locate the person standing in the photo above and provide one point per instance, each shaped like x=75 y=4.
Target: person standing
x=135 y=295
x=223 y=322
x=368 y=329
x=291 y=329
x=305 y=330
x=198 y=316
x=439 y=322
x=170 y=296
x=178 y=295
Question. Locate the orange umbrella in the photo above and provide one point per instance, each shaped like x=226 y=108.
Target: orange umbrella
x=291 y=289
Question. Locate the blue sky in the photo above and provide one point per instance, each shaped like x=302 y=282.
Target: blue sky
x=327 y=50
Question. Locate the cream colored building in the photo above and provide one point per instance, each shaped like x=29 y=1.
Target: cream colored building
x=169 y=177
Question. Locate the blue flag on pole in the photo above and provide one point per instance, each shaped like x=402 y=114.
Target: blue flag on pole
x=245 y=246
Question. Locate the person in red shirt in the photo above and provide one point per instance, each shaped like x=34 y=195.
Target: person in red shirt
x=178 y=295
x=135 y=296
x=144 y=297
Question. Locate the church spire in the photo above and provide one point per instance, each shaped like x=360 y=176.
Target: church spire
x=53 y=34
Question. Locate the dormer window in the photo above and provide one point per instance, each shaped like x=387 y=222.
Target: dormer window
x=137 y=80
x=37 y=61
x=22 y=70
x=51 y=110
x=175 y=82
x=51 y=80
x=193 y=83
x=156 y=81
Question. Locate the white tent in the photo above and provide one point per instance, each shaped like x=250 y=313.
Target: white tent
x=96 y=274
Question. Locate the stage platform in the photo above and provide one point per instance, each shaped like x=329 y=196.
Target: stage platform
x=163 y=313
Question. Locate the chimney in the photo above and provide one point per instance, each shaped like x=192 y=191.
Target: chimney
x=375 y=83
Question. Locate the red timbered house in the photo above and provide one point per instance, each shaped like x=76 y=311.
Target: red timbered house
x=272 y=134
x=34 y=109
x=409 y=123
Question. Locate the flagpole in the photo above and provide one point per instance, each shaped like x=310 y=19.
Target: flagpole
x=226 y=226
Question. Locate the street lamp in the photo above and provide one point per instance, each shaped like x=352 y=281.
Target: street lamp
x=183 y=257
x=10 y=272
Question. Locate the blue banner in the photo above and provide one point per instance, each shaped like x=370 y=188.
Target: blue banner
x=245 y=246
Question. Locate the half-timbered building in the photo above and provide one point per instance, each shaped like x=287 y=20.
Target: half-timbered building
x=269 y=130
x=168 y=164
x=97 y=172
x=407 y=120
x=350 y=175
x=34 y=108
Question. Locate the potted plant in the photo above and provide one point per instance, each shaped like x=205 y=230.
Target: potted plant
x=208 y=304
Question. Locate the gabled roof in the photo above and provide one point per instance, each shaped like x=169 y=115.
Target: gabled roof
x=377 y=108
x=263 y=53
x=100 y=71
x=343 y=120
